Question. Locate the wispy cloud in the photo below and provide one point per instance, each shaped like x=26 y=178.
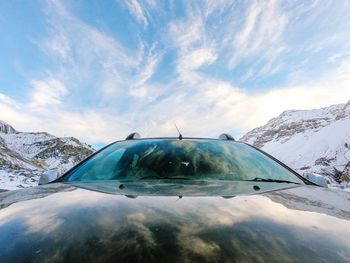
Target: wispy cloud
x=189 y=62
x=136 y=10
x=187 y=33
x=213 y=108
x=47 y=93
x=8 y=101
x=261 y=38
x=86 y=57
x=194 y=48
x=139 y=86
x=58 y=45
x=214 y=66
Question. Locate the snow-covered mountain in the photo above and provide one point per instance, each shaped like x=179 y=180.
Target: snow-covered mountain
x=25 y=155
x=309 y=140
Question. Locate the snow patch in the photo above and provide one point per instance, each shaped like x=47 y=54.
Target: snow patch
x=309 y=141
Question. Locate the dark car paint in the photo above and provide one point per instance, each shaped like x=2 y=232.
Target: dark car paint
x=105 y=223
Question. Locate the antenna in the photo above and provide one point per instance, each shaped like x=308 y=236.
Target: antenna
x=180 y=135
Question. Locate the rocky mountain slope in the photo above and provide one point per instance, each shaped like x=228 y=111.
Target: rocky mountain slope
x=25 y=155
x=309 y=141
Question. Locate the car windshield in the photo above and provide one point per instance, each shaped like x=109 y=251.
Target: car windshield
x=187 y=159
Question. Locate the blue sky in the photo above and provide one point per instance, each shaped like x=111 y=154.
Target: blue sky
x=98 y=70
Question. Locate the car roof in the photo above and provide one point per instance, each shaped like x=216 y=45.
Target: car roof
x=223 y=136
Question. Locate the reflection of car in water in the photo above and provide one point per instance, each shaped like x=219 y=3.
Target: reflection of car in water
x=176 y=200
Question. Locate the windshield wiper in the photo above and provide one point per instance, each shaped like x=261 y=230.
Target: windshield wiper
x=163 y=177
x=259 y=179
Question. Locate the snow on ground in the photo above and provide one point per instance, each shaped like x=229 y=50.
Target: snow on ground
x=303 y=149
x=26 y=155
x=12 y=181
x=26 y=143
x=309 y=141
x=70 y=141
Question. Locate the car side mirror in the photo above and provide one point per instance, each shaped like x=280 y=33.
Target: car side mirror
x=48 y=177
x=316 y=179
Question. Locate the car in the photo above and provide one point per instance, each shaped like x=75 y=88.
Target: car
x=176 y=199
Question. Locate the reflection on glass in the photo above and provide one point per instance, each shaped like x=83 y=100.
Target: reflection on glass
x=180 y=159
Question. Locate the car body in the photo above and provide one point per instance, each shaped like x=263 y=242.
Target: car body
x=189 y=208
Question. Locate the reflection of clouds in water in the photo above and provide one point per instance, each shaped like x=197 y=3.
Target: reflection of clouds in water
x=97 y=226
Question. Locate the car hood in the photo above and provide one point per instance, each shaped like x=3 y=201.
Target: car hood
x=87 y=223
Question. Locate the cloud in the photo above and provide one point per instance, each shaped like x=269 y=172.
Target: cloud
x=99 y=69
x=136 y=10
x=194 y=69
x=192 y=61
x=7 y=100
x=47 y=93
x=212 y=107
x=194 y=47
x=17 y=116
x=185 y=34
x=261 y=37
x=59 y=45
x=74 y=43
x=149 y=68
x=139 y=88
